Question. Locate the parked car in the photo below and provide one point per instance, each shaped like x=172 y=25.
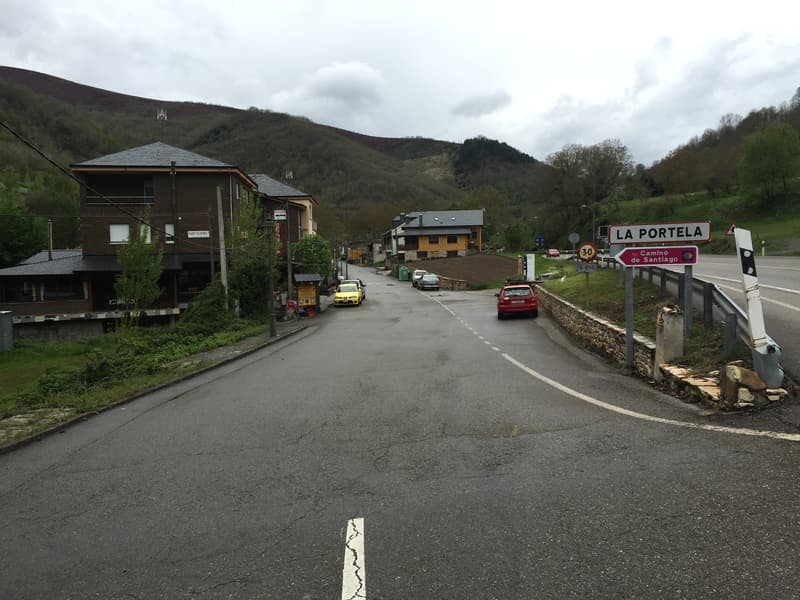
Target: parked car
x=429 y=281
x=347 y=294
x=552 y=253
x=416 y=276
x=516 y=299
x=361 y=285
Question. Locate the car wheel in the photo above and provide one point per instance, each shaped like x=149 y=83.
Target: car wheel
x=534 y=313
x=499 y=316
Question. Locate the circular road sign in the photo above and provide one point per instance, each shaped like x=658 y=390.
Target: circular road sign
x=574 y=238
x=587 y=251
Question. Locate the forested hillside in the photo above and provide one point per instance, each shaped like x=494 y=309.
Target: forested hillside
x=362 y=181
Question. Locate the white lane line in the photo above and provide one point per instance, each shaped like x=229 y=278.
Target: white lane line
x=791 y=437
x=495 y=348
x=487 y=342
x=354 y=574
x=763 y=299
x=480 y=337
x=761 y=285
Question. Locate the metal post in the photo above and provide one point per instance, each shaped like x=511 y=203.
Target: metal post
x=223 y=266
x=663 y=291
x=708 y=305
x=289 y=286
x=49 y=239
x=687 y=300
x=273 y=327
x=629 y=361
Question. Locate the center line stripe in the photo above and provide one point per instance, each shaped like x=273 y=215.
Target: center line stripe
x=354 y=575
x=791 y=437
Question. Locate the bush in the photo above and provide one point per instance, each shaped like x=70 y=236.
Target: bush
x=207 y=313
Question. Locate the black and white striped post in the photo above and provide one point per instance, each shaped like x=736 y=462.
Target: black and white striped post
x=766 y=352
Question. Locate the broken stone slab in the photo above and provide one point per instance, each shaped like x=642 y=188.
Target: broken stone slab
x=744 y=395
x=745 y=377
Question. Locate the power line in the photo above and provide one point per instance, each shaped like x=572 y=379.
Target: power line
x=119 y=207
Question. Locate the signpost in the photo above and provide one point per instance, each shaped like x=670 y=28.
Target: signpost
x=626 y=238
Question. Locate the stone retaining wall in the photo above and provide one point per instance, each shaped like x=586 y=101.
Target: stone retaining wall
x=598 y=334
x=452 y=284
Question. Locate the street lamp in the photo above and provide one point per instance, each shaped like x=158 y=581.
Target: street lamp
x=593 y=220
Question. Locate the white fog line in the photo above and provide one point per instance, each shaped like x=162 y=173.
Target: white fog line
x=354 y=575
x=791 y=437
x=761 y=285
x=763 y=299
x=487 y=342
x=495 y=348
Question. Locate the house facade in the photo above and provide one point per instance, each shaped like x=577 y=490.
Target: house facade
x=178 y=199
x=435 y=234
x=183 y=201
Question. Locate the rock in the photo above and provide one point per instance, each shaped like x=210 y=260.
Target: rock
x=745 y=396
x=743 y=405
x=744 y=376
x=728 y=386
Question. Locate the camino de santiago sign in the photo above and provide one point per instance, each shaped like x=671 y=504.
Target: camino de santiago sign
x=659 y=233
x=656 y=244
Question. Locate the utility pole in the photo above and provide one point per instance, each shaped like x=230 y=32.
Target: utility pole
x=223 y=267
x=270 y=228
x=49 y=239
x=289 y=287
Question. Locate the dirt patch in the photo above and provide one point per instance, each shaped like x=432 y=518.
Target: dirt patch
x=474 y=269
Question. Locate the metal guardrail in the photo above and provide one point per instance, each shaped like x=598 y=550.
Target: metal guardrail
x=716 y=304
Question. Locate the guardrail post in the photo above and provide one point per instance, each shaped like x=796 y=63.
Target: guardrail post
x=650 y=275
x=681 y=283
x=708 y=305
x=729 y=340
x=663 y=292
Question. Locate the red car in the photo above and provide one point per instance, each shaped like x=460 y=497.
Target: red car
x=552 y=253
x=516 y=299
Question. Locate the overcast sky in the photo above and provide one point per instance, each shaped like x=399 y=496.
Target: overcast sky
x=537 y=75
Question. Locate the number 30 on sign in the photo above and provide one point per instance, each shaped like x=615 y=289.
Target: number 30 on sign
x=587 y=251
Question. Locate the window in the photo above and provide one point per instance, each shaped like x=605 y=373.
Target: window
x=148 y=188
x=434 y=239
x=169 y=233
x=452 y=239
x=119 y=234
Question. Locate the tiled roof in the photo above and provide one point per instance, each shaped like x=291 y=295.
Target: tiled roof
x=64 y=263
x=444 y=218
x=153 y=155
x=272 y=187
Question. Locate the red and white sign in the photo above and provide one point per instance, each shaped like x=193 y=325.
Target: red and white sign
x=587 y=251
x=659 y=233
x=651 y=256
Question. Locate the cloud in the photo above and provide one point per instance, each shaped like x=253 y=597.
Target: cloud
x=485 y=104
x=340 y=90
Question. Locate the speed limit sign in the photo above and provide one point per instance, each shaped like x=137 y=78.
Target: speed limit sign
x=587 y=251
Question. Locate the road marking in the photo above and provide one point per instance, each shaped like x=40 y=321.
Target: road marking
x=761 y=285
x=791 y=437
x=487 y=342
x=763 y=299
x=354 y=574
x=480 y=337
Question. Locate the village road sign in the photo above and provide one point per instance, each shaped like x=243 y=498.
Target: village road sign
x=650 y=256
x=659 y=233
x=279 y=214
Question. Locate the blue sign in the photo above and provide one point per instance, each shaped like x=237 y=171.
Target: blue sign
x=539 y=241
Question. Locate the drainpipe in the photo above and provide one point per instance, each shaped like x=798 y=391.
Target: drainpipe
x=49 y=239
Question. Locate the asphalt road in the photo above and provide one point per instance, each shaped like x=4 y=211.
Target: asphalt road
x=779 y=286
x=413 y=447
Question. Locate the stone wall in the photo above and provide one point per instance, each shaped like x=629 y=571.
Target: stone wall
x=452 y=284
x=598 y=334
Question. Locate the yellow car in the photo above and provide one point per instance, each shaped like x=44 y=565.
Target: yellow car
x=347 y=294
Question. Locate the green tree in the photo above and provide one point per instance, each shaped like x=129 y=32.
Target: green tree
x=137 y=284
x=312 y=254
x=21 y=233
x=770 y=160
x=251 y=245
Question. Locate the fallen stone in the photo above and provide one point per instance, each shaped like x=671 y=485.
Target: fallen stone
x=776 y=392
x=743 y=405
x=745 y=395
x=746 y=377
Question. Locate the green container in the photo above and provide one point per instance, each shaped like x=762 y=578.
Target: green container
x=402 y=273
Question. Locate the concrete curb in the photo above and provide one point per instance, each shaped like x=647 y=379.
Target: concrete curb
x=62 y=426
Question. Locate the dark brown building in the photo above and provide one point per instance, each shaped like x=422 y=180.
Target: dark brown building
x=173 y=197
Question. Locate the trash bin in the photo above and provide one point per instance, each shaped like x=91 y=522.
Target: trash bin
x=402 y=273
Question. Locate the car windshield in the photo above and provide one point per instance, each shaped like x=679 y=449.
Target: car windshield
x=348 y=287
x=520 y=291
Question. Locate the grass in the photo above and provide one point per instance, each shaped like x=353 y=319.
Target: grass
x=605 y=296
